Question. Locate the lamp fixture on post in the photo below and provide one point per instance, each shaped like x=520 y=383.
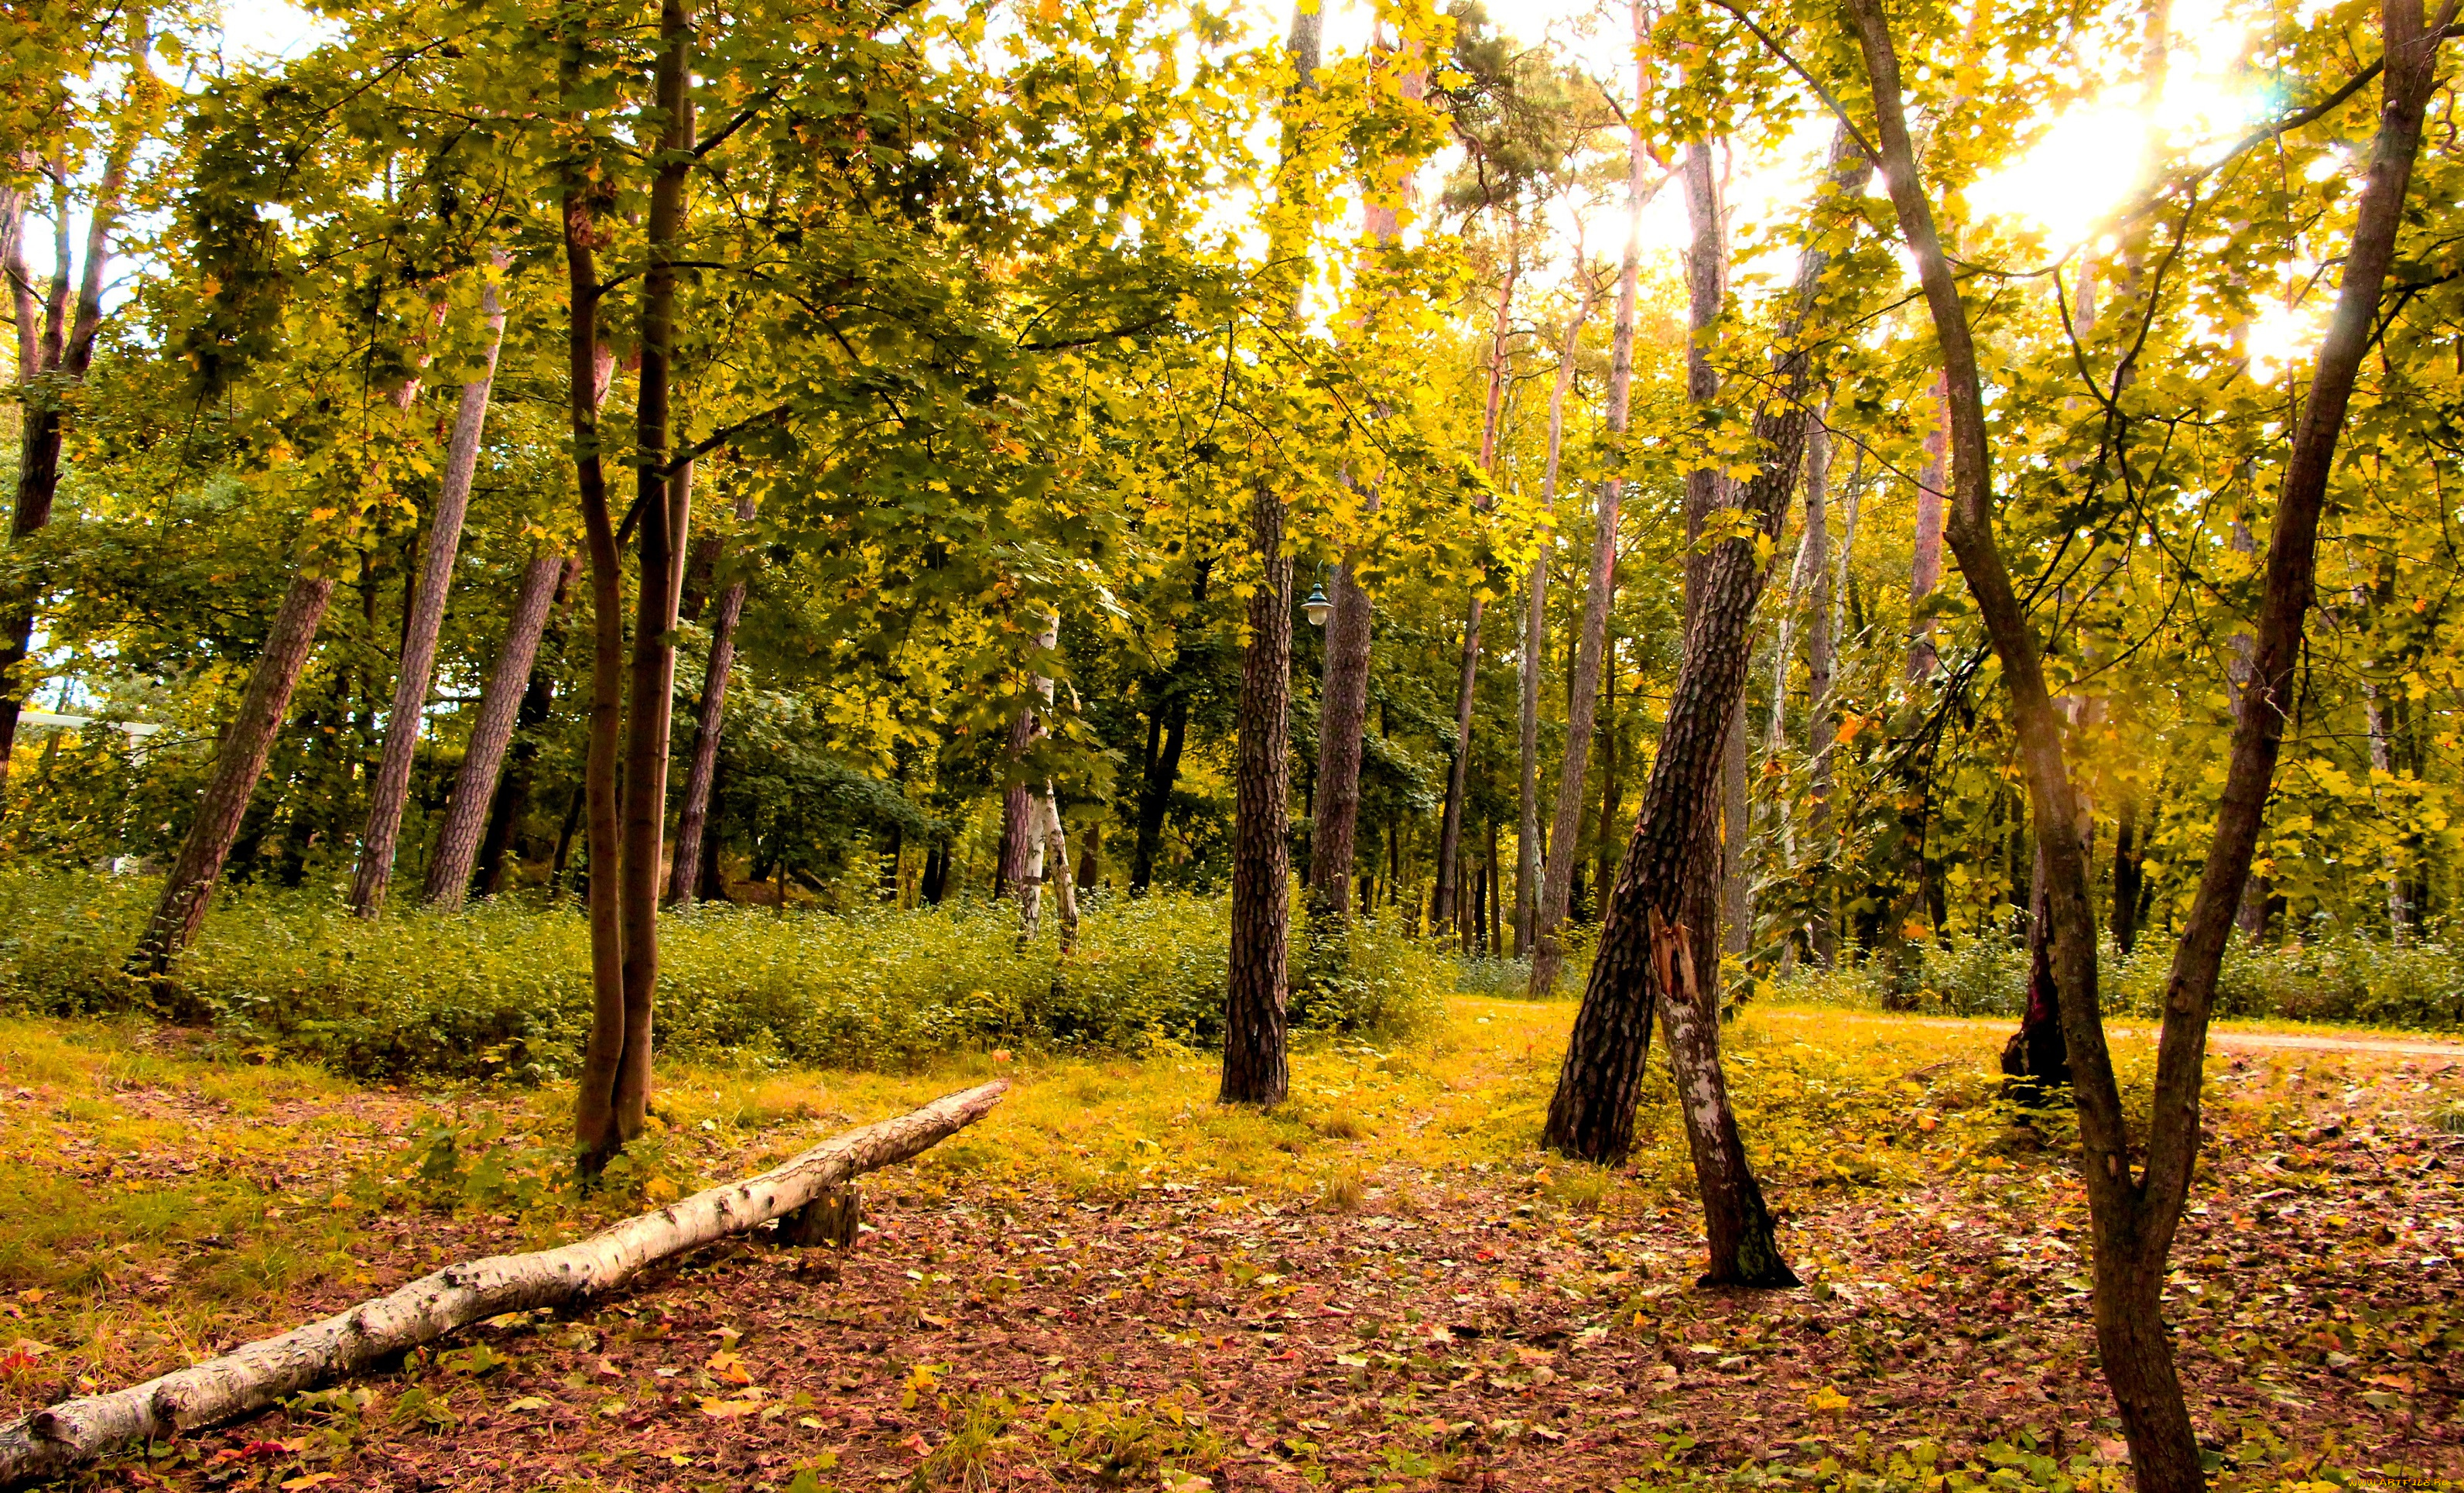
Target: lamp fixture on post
x=1317 y=608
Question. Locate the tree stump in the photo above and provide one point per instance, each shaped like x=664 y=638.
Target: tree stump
x=829 y=1219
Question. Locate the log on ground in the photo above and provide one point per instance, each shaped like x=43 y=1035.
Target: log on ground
x=68 y=1434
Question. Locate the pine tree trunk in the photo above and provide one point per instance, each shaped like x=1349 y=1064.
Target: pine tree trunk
x=1647 y=956
x=423 y=621
x=1736 y=870
x=1591 y=648
x=501 y=700
x=1535 y=640
x=1255 y=1067
x=693 y=818
x=238 y=763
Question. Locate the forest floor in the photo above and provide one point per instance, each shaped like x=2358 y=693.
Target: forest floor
x=1114 y=1281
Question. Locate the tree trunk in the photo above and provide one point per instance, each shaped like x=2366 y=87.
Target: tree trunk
x=1033 y=841
x=683 y=881
x=1255 y=1067
x=1344 y=695
x=2134 y=1216
x=1924 y=570
x=1583 y=689
x=424 y=619
x=2130 y=875
x=1646 y=959
x=1604 y=842
x=1736 y=870
x=1535 y=633
x=1458 y=773
x=597 y=1133
x=492 y=730
x=54 y=1441
x=48 y=365
x=238 y=763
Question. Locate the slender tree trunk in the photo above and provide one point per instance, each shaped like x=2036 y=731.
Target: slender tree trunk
x=1535 y=633
x=58 y=359
x=1736 y=869
x=2135 y=1212
x=1344 y=695
x=1924 y=570
x=492 y=730
x=1646 y=961
x=238 y=763
x=1583 y=689
x=2374 y=715
x=424 y=619
x=709 y=719
x=597 y=1133
x=1604 y=843
x=1457 y=770
x=1027 y=887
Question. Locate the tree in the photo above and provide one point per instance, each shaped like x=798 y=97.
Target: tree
x=1648 y=957
x=1583 y=689
x=1256 y=1067
x=402 y=722
x=2135 y=1209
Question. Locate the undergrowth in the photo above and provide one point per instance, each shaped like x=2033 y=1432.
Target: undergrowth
x=2341 y=978
x=503 y=989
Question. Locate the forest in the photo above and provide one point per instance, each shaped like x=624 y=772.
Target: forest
x=1627 y=744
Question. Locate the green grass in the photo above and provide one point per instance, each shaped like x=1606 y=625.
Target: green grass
x=503 y=990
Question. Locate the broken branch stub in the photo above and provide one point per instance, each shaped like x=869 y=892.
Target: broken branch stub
x=75 y=1432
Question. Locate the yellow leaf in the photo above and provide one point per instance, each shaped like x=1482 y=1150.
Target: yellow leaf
x=1828 y=1400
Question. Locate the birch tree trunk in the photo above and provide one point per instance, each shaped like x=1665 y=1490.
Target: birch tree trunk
x=50 y=1443
x=492 y=730
x=391 y=788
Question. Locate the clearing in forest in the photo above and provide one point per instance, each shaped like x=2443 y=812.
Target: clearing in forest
x=1114 y=1282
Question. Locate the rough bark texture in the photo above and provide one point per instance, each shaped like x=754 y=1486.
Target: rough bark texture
x=53 y=1442
x=1035 y=836
x=2135 y=1213
x=1591 y=648
x=1647 y=957
x=239 y=763
x=492 y=730
x=709 y=719
x=1536 y=642
x=1255 y=1067
x=390 y=789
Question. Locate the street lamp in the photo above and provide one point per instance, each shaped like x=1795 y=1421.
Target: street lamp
x=1317 y=608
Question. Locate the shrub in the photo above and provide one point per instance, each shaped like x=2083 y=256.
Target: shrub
x=503 y=988
x=2342 y=978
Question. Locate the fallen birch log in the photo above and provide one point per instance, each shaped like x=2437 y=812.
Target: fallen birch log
x=68 y=1434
